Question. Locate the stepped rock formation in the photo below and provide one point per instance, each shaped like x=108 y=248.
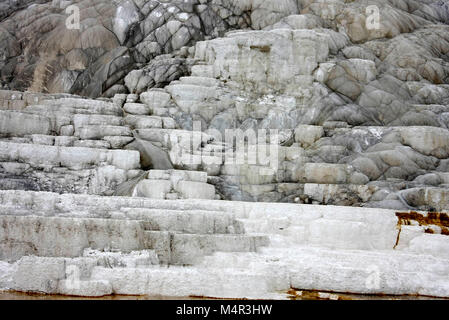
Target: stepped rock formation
x=117 y=175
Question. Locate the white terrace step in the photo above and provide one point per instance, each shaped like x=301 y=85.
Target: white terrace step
x=150 y=122
x=81 y=120
x=64 y=115
x=329 y=229
x=108 y=142
x=66 y=237
x=182 y=221
x=203 y=70
x=250 y=275
x=387 y=273
x=139 y=109
x=197 y=160
x=207 y=155
x=215 y=142
x=351 y=271
x=95 y=132
x=180 y=248
x=297 y=214
x=200 y=81
x=95 y=144
x=315 y=266
x=86 y=106
x=213 y=147
x=16 y=100
x=291 y=255
x=175 y=184
x=19 y=124
x=43 y=156
x=47 y=201
x=187 y=139
x=405 y=260
x=176 y=281
x=269 y=225
x=70 y=276
x=197 y=176
x=144 y=122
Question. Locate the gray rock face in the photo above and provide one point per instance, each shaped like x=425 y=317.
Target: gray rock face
x=158 y=73
x=363 y=124
x=8 y=7
x=150 y=155
x=361 y=113
x=112 y=39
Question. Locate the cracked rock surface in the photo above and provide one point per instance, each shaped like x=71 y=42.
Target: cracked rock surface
x=113 y=37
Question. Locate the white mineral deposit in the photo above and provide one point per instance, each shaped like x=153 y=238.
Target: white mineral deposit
x=224 y=149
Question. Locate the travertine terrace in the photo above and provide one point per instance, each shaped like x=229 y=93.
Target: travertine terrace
x=116 y=176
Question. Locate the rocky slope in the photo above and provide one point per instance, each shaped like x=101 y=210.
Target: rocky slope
x=113 y=37
x=362 y=111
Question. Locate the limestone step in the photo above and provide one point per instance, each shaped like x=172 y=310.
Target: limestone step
x=81 y=120
x=203 y=70
x=182 y=249
x=79 y=157
x=86 y=106
x=200 y=81
x=215 y=142
x=17 y=124
x=97 y=132
x=137 y=109
x=45 y=130
x=108 y=142
x=352 y=271
x=193 y=160
x=187 y=175
x=71 y=276
x=95 y=144
x=189 y=140
x=250 y=275
x=296 y=213
x=210 y=150
x=176 y=281
x=144 y=122
x=173 y=189
x=401 y=260
x=65 y=236
x=40 y=120
x=41 y=139
x=183 y=221
x=47 y=201
x=346 y=248
x=267 y=225
x=86 y=288
x=314 y=268
x=183 y=92
x=320 y=226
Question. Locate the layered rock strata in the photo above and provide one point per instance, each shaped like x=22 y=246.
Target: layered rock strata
x=325 y=102
x=93 y=246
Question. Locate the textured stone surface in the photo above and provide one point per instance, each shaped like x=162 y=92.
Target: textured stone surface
x=356 y=116
x=248 y=250
x=113 y=38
